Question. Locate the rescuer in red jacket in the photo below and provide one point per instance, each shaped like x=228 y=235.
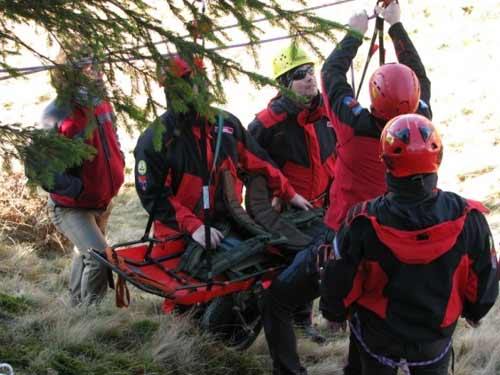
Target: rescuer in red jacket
x=295 y=131
x=299 y=138
x=169 y=179
x=409 y=263
x=80 y=199
x=394 y=89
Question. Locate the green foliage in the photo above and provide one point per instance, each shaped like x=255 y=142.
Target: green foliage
x=18 y=351
x=46 y=153
x=65 y=364
x=129 y=37
x=14 y=305
x=158 y=129
x=143 y=330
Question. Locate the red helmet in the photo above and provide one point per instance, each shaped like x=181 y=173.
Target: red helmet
x=394 y=90
x=179 y=67
x=410 y=144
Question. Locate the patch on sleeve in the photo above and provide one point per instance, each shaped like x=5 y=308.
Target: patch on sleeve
x=352 y=104
x=225 y=129
x=142 y=181
x=142 y=167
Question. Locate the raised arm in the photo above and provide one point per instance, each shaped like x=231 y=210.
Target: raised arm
x=407 y=54
x=334 y=71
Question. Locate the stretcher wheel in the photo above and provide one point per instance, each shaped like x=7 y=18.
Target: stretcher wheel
x=235 y=319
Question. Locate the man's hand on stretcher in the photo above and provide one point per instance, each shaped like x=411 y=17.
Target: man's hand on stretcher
x=300 y=202
x=215 y=236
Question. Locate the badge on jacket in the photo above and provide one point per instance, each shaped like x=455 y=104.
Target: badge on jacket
x=142 y=167
x=225 y=129
x=142 y=181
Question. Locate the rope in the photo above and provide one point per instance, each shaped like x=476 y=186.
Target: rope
x=355 y=326
x=39 y=68
x=378 y=31
x=304 y=10
x=166 y=55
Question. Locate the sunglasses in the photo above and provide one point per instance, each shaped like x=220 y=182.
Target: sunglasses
x=302 y=72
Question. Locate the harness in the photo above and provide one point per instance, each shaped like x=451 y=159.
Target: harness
x=355 y=326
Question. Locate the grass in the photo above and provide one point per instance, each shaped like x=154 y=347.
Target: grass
x=40 y=334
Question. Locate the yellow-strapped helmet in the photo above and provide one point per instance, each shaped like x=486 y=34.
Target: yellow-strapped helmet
x=290 y=58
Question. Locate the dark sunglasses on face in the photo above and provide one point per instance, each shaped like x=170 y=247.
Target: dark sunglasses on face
x=302 y=72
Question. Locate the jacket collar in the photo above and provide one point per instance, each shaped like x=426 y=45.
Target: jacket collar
x=293 y=108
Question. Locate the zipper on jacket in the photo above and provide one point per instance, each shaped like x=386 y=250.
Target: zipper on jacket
x=105 y=146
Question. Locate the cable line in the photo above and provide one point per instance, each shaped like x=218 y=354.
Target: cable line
x=24 y=71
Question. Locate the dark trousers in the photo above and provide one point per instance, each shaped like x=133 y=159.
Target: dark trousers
x=297 y=285
x=394 y=349
x=353 y=366
x=303 y=315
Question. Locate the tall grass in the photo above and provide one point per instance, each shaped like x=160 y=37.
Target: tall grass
x=40 y=334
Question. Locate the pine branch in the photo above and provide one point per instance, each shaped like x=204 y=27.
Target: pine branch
x=44 y=153
x=124 y=35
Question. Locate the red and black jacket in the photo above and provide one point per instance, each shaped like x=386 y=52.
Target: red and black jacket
x=301 y=142
x=170 y=179
x=94 y=183
x=411 y=269
x=359 y=173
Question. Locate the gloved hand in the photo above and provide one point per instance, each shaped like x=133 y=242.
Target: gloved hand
x=301 y=202
x=359 y=22
x=336 y=327
x=392 y=13
x=215 y=236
